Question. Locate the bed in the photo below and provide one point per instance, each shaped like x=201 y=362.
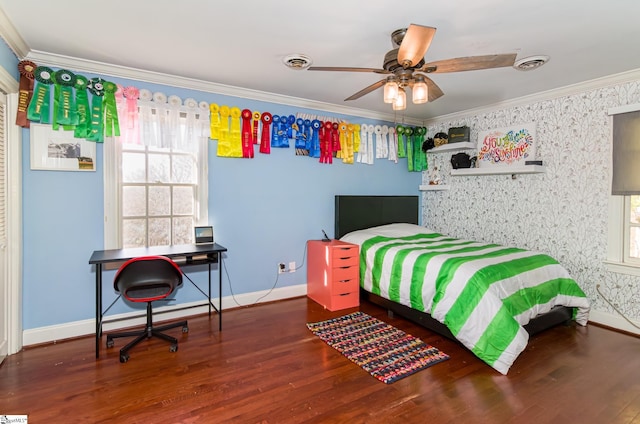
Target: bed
x=461 y=289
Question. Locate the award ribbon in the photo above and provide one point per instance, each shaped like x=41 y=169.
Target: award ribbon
x=96 y=125
x=112 y=124
x=265 y=143
x=400 y=131
x=236 y=136
x=408 y=132
x=362 y=153
x=345 y=145
x=385 y=140
x=256 y=122
x=81 y=129
x=335 y=139
x=64 y=110
x=326 y=144
x=275 y=137
x=300 y=140
x=247 y=142
x=38 y=110
x=381 y=149
x=224 y=143
x=131 y=95
x=419 y=157
x=393 y=145
x=26 y=69
x=314 y=144
x=214 y=111
x=290 y=121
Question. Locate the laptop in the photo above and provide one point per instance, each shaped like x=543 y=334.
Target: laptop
x=204 y=235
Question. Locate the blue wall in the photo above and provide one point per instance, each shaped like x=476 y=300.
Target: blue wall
x=263 y=210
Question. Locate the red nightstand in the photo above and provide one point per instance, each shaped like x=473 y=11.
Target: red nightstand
x=333 y=274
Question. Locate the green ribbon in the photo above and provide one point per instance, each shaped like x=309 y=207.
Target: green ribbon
x=112 y=127
x=409 y=132
x=64 y=108
x=419 y=157
x=96 y=125
x=38 y=110
x=401 y=151
x=82 y=128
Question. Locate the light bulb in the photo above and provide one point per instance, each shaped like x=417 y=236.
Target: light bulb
x=390 y=90
x=420 y=92
x=401 y=101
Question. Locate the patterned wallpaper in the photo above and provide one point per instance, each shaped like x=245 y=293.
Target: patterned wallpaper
x=562 y=212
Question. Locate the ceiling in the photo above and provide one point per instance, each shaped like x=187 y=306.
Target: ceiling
x=242 y=44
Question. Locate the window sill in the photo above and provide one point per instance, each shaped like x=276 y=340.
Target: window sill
x=622 y=268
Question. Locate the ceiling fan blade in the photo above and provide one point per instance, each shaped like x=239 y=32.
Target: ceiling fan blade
x=471 y=63
x=367 y=90
x=346 y=69
x=434 y=91
x=415 y=44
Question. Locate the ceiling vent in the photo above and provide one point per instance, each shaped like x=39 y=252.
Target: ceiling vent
x=297 y=61
x=530 y=63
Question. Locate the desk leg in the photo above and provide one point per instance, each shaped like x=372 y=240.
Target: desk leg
x=98 y=308
x=219 y=291
x=209 y=289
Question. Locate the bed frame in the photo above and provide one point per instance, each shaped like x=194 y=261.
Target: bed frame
x=359 y=212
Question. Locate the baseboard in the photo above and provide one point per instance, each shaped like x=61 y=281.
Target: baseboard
x=86 y=327
x=613 y=321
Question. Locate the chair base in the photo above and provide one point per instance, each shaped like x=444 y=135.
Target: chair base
x=147 y=333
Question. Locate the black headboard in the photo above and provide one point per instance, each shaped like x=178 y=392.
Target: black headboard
x=358 y=212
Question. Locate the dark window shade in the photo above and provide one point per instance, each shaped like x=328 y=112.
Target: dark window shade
x=626 y=154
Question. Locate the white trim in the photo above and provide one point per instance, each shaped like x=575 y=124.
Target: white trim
x=624 y=109
x=613 y=321
x=568 y=90
x=14 y=40
x=68 y=330
x=83 y=65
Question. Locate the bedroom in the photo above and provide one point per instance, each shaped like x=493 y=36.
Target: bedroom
x=281 y=211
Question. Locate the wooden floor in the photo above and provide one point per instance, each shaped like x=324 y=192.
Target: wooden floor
x=267 y=367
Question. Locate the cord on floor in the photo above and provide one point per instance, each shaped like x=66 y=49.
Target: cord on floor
x=614 y=307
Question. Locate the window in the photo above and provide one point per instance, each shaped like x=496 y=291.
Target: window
x=632 y=230
x=156 y=184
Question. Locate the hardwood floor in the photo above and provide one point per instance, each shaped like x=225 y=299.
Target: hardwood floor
x=267 y=367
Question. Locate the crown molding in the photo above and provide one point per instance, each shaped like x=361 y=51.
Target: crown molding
x=101 y=68
x=569 y=90
x=13 y=39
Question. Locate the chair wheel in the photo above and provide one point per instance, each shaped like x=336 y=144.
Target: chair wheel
x=185 y=329
x=173 y=348
x=110 y=343
x=124 y=358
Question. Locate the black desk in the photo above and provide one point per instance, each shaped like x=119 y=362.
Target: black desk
x=184 y=255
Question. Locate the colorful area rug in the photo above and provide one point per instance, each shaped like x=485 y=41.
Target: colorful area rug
x=382 y=350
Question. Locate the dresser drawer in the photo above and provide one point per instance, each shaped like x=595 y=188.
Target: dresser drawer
x=343 y=252
x=344 y=286
x=343 y=301
x=345 y=273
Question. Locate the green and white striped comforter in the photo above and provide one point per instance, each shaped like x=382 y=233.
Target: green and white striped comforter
x=484 y=293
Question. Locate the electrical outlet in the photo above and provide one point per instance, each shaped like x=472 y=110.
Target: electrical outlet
x=281 y=268
x=292 y=266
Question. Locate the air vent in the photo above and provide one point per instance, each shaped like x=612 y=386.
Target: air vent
x=297 y=61
x=530 y=63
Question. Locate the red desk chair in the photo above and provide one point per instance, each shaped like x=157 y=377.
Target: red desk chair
x=147 y=279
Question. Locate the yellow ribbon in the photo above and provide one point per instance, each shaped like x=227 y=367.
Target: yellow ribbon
x=254 y=127
x=215 y=121
x=346 y=143
x=356 y=137
x=236 y=134
x=224 y=142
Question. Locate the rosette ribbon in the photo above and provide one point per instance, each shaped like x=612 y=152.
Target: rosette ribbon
x=400 y=130
x=82 y=128
x=236 y=135
x=214 y=116
x=275 y=137
x=408 y=132
x=247 y=142
x=256 y=123
x=39 y=107
x=301 y=142
x=326 y=144
x=111 y=122
x=26 y=68
x=314 y=144
x=393 y=145
x=64 y=103
x=290 y=121
x=224 y=141
x=265 y=143
x=131 y=95
x=96 y=124
x=419 y=157
x=346 y=144
x=335 y=139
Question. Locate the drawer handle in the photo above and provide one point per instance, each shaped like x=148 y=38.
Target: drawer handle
x=345 y=294
x=344 y=281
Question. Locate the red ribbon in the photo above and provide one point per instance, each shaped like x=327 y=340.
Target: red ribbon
x=247 y=142
x=326 y=150
x=335 y=137
x=26 y=69
x=256 y=121
x=265 y=141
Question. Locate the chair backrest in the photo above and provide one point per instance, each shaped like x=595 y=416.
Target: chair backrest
x=147 y=278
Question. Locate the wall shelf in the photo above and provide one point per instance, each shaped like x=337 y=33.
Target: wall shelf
x=526 y=169
x=453 y=146
x=433 y=187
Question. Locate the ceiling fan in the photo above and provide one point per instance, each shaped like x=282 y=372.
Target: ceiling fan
x=405 y=67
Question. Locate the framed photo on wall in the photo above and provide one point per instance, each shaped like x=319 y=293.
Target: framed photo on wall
x=509 y=146
x=59 y=151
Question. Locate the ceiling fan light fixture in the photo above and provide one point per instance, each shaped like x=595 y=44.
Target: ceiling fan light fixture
x=420 y=91
x=530 y=63
x=400 y=103
x=297 y=61
x=390 y=90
